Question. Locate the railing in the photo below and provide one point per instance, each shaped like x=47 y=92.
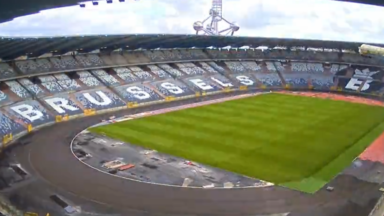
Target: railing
x=378 y=210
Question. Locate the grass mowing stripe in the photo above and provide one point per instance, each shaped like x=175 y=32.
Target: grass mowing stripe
x=278 y=138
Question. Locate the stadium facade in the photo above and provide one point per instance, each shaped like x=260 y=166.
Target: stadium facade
x=44 y=81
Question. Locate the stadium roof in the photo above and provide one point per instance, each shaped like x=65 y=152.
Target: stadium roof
x=369 y=2
x=11 y=48
x=10 y=9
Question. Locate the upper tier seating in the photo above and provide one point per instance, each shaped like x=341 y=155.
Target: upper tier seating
x=91 y=60
x=6 y=71
x=27 y=66
x=64 y=63
x=173 y=55
x=155 y=56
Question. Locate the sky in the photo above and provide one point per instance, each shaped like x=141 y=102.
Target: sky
x=304 y=19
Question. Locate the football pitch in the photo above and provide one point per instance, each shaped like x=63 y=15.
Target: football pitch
x=293 y=141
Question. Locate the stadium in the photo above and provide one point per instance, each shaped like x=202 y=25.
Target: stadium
x=190 y=125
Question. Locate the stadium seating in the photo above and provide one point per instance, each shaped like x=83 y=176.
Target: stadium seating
x=172 y=88
x=216 y=67
x=218 y=54
x=99 y=99
x=106 y=78
x=159 y=72
x=91 y=60
x=64 y=63
x=79 y=83
x=322 y=82
x=141 y=74
x=115 y=58
x=17 y=89
x=67 y=83
x=208 y=68
x=29 y=112
x=170 y=70
x=27 y=66
x=6 y=71
x=198 y=54
x=9 y=126
x=138 y=93
x=190 y=69
x=126 y=75
x=172 y=55
x=236 y=67
x=33 y=88
x=50 y=83
x=251 y=66
x=155 y=56
x=269 y=80
x=5 y=99
x=88 y=79
x=43 y=65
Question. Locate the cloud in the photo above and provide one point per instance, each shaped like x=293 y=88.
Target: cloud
x=307 y=19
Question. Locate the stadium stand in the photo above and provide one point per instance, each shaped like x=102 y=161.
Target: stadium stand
x=9 y=126
x=33 y=88
x=67 y=83
x=91 y=60
x=106 y=78
x=38 y=92
x=173 y=88
x=88 y=79
x=207 y=68
x=6 y=71
x=99 y=99
x=141 y=74
x=154 y=82
x=158 y=72
x=115 y=58
x=155 y=56
x=172 y=55
x=104 y=81
x=251 y=66
x=138 y=93
x=268 y=76
x=126 y=75
x=172 y=71
x=190 y=69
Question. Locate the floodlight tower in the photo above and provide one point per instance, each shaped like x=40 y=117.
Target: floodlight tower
x=212 y=26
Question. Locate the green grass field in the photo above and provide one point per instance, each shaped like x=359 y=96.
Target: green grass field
x=293 y=141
